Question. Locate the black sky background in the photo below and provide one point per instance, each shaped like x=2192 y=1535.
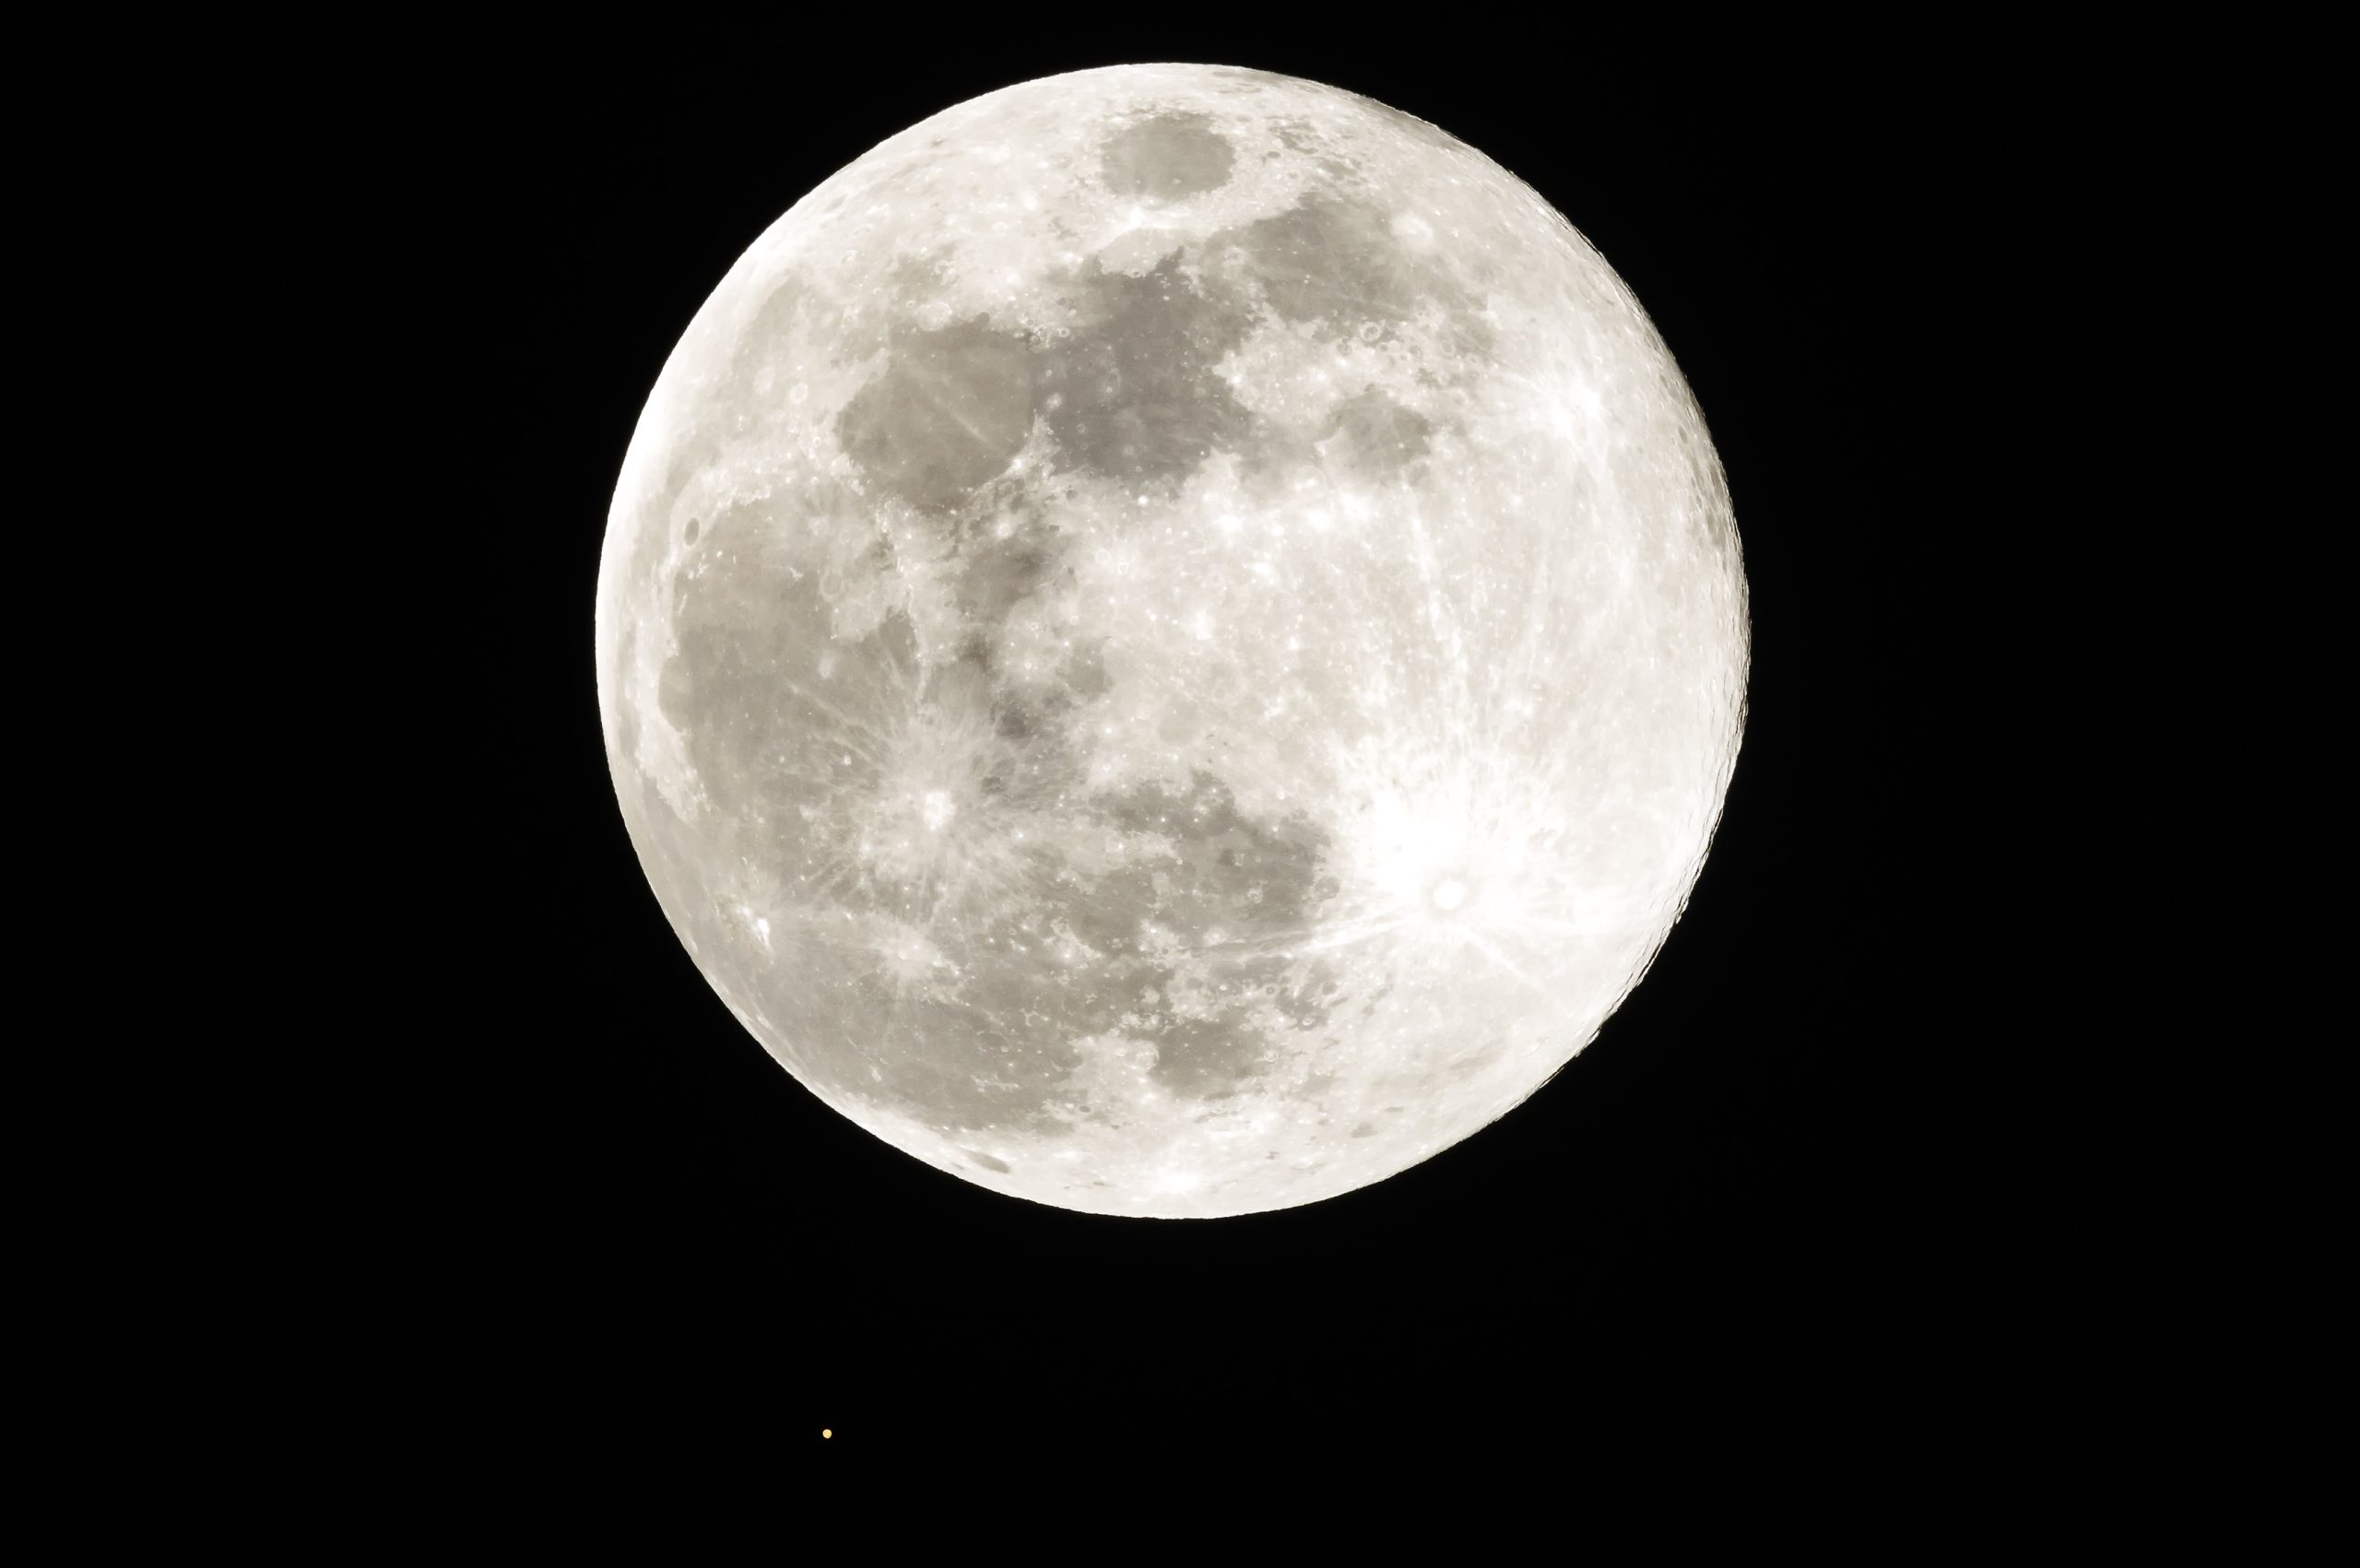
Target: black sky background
x=1908 y=1205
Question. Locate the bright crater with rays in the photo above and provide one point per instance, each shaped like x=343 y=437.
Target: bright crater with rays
x=1171 y=641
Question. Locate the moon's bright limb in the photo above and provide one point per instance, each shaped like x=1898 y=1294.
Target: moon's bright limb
x=1172 y=641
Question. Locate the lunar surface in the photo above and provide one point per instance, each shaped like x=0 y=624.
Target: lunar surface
x=1172 y=640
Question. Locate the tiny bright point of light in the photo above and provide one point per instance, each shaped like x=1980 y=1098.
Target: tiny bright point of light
x=827 y=1431
x=1450 y=894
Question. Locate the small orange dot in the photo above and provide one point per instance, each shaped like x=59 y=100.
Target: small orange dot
x=826 y=1432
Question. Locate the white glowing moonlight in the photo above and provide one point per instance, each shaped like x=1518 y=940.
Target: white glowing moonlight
x=1172 y=641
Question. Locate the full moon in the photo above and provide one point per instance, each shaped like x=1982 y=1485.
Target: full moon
x=1172 y=641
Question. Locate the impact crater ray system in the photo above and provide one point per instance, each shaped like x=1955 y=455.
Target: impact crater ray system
x=1171 y=641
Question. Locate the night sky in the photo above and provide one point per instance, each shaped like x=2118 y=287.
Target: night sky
x=1905 y=1206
